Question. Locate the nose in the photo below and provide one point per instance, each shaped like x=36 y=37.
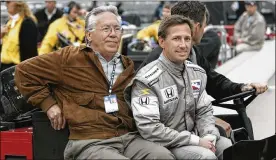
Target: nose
x=112 y=32
x=183 y=43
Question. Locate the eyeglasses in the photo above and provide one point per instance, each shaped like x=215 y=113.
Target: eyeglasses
x=108 y=29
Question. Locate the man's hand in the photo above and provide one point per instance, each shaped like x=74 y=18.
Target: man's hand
x=55 y=116
x=207 y=144
x=226 y=126
x=260 y=88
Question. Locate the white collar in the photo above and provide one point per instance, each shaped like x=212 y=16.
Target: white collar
x=15 y=17
x=115 y=56
x=50 y=15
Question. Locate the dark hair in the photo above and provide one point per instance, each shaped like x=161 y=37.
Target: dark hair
x=70 y=6
x=194 y=10
x=171 y=21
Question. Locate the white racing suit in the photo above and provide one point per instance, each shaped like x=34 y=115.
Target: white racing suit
x=170 y=105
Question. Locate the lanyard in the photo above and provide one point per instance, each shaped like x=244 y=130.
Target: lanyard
x=112 y=77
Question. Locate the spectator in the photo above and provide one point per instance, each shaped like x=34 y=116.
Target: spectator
x=250 y=29
x=158 y=11
x=46 y=16
x=67 y=30
x=151 y=31
x=19 y=35
x=87 y=84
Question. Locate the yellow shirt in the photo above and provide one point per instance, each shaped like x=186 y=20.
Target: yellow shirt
x=71 y=30
x=10 y=48
x=150 y=31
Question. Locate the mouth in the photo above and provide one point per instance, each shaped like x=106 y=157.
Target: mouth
x=181 y=52
x=113 y=42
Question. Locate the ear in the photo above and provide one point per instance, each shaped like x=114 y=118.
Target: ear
x=88 y=36
x=196 y=27
x=161 y=42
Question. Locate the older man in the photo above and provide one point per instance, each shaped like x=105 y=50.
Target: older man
x=168 y=98
x=84 y=86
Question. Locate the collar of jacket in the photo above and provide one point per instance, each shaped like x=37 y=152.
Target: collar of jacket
x=117 y=55
x=192 y=56
x=89 y=51
x=253 y=17
x=176 y=69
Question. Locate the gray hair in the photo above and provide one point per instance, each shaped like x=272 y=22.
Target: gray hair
x=90 y=19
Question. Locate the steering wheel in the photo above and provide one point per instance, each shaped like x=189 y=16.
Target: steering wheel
x=240 y=105
x=238 y=96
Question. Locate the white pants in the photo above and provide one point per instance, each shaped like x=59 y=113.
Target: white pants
x=198 y=152
x=246 y=47
x=128 y=146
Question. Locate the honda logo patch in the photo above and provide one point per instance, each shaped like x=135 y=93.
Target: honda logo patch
x=144 y=101
x=169 y=94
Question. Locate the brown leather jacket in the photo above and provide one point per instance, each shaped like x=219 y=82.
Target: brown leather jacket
x=74 y=79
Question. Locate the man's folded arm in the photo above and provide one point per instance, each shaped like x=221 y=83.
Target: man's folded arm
x=34 y=77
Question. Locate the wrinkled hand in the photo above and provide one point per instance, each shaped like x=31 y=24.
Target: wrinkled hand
x=56 y=117
x=260 y=88
x=226 y=126
x=207 y=144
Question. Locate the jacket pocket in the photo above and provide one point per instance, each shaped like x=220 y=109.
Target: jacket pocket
x=84 y=99
x=78 y=110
